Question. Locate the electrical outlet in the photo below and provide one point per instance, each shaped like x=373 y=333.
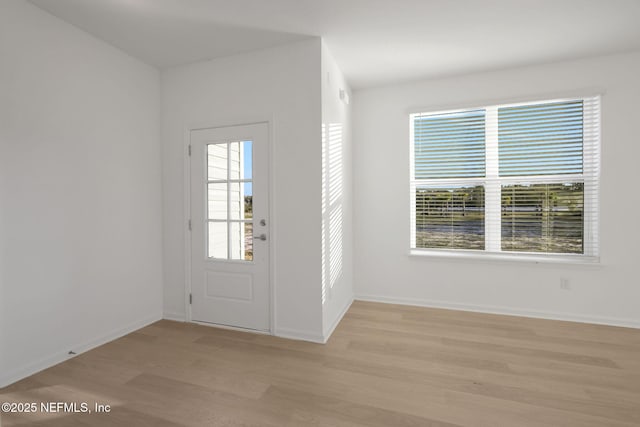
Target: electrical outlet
x=564 y=284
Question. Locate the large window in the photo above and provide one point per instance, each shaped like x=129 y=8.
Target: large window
x=514 y=178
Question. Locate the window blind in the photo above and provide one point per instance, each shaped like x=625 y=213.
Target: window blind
x=451 y=218
x=546 y=218
x=541 y=139
x=450 y=145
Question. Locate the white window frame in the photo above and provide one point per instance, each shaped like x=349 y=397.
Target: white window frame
x=492 y=184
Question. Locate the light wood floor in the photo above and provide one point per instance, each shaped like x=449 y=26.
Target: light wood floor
x=385 y=365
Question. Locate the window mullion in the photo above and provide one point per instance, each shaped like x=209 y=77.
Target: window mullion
x=229 y=200
x=492 y=184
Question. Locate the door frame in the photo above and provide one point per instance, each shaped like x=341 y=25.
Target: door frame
x=265 y=119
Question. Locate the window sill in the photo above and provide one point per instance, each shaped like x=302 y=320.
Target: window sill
x=527 y=258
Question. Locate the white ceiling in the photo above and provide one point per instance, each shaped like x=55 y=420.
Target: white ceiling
x=374 y=41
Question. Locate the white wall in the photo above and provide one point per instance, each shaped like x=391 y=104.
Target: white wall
x=337 y=248
x=80 y=191
x=281 y=84
x=609 y=293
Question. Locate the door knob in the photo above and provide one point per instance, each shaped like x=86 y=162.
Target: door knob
x=262 y=237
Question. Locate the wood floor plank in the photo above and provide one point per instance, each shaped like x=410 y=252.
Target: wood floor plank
x=346 y=410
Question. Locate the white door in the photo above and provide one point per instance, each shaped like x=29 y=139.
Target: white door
x=230 y=226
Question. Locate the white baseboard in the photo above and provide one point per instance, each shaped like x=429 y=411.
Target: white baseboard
x=336 y=321
x=296 y=334
x=51 y=360
x=570 y=317
x=178 y=317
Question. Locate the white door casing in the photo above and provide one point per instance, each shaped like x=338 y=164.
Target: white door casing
x=229 y=205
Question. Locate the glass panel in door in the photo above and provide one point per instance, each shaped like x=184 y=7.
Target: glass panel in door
x=230 y=200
